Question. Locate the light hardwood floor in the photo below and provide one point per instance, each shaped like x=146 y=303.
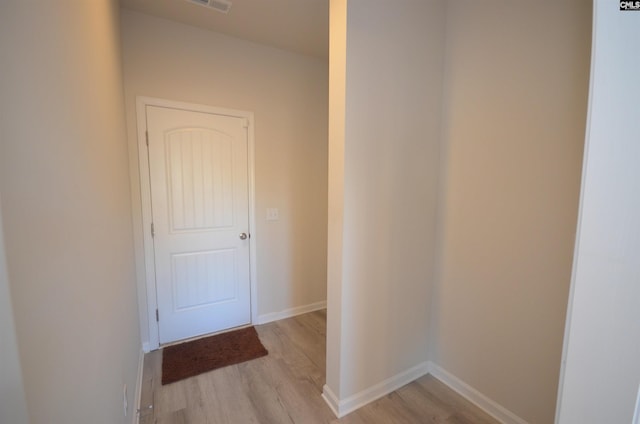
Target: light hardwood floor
x=285 y=387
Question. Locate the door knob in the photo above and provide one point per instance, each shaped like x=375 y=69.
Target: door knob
x=243 y=236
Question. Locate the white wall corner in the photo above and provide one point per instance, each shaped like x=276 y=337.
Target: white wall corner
x=489 y=406
x=360 y=399
x=138 y=393
x=291 y=312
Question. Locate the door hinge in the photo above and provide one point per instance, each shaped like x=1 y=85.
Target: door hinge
x=153 y=230
x=157 y=316
x=146 y=134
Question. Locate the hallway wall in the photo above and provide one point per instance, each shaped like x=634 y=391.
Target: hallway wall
x=514 y=120
x=66 y=209
x=387 y=78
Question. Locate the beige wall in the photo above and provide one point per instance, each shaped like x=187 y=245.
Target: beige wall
x=386 y=244
x=66 y=209
x=514 y=119
x=602 y=372
x=288 y=94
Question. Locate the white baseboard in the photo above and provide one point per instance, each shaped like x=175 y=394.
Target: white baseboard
x=291 y=312
x=138 y=393
x=331 y=399
x=358 y=400
x=472 y=395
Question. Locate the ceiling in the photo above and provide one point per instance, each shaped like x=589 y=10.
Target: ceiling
x=301 y=26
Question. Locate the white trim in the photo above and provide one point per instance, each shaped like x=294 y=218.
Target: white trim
x=138 y=393
x=360 y=399
x=149 y=303
x=576 y=247
x=343 y=407
x=636 y=414
x=142 y=178
x=253 y=260
x=291 y=312
x=331 y=399
x=489 y=406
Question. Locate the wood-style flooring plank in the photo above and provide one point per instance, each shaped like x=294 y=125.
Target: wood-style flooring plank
x=461 y=409
x=281 y=346
x=285 y=387
x=174 y=417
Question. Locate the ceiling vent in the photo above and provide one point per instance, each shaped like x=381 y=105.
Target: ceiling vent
x=222 y=6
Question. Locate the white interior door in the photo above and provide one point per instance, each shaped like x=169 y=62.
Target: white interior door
x=198 y=168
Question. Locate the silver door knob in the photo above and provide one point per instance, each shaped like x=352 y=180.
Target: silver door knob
x=243 y=236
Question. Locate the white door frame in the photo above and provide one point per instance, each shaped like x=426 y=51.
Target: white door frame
x=149 y=303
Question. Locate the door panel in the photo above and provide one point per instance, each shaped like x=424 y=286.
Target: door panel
x=199 y=199
x=199 y=167
x=200 y=278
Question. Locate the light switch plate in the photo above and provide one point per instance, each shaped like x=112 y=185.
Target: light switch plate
x=273 y=214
